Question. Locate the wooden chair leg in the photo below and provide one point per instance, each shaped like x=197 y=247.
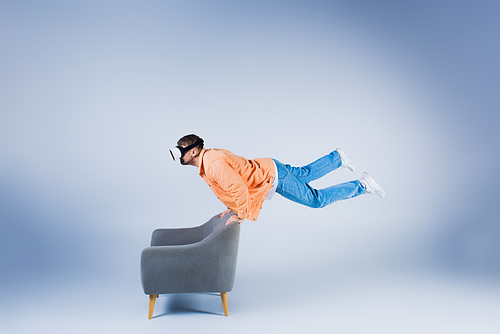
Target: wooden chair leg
x=223 y=296
x=152 y=300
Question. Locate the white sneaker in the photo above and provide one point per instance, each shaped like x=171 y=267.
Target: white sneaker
x=370 y=185
x=346 y=162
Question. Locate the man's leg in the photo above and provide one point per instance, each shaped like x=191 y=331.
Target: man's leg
x=295 y=189
x=316 y=169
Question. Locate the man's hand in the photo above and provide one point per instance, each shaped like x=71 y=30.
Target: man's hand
x=235 y=219
x=225 y=213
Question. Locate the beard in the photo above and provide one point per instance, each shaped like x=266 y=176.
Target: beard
x=188 y=159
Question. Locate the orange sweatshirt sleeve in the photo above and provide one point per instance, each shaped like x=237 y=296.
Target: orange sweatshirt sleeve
x=232 y=185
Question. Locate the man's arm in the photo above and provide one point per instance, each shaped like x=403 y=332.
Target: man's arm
x=234 y=219
x=224 y=213
x=233 y=186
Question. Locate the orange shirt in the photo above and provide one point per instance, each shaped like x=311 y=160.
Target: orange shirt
x=241 y=184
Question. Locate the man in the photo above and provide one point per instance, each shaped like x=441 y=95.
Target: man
x=243 y=184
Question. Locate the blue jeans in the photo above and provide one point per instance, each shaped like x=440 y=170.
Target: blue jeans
x=293 y=182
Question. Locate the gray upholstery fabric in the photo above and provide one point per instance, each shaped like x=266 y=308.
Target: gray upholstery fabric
x=197 y=259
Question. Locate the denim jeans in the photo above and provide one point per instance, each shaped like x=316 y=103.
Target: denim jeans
x=293 y=182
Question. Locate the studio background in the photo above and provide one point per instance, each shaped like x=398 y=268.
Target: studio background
x=93 y=94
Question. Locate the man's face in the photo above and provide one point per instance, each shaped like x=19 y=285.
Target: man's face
x=187 y=158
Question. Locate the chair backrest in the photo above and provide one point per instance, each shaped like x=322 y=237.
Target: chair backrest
x=186 y=236
x=213 y=224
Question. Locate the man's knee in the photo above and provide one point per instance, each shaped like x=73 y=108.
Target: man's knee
x=317 y=204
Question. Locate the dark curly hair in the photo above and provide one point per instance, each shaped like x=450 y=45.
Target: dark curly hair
x=190 y=140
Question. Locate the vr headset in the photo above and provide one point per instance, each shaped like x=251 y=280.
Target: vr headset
x=178 y=152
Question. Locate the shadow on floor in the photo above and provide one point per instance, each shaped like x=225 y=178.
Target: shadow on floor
x=184 y=303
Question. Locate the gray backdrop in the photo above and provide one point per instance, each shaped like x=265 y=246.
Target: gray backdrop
x=92 y=94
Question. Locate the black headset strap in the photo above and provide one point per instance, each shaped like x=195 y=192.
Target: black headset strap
x=187 y=148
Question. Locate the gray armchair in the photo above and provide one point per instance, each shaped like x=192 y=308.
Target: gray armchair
x=196 y=259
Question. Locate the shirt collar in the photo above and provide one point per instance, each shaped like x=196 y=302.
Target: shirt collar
x=202 y=167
